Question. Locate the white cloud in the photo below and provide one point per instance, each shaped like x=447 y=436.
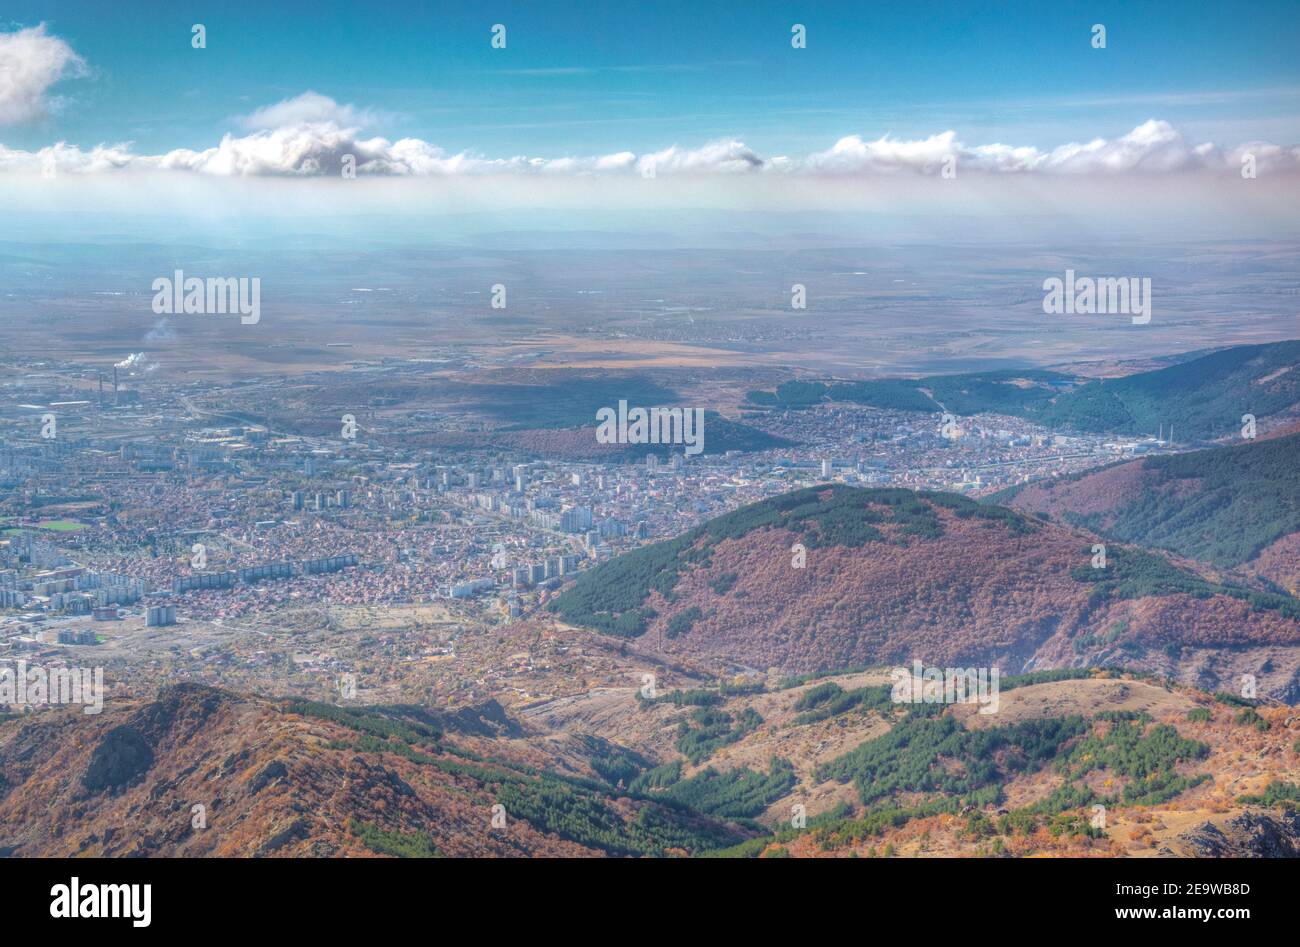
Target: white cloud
x=852 y=154
x=311 y=148
x=1153 y=146
x=311 y=134
x=62 y=158
x=310 y=108
x=302 y=150
x=720 y=156
x=30 y=62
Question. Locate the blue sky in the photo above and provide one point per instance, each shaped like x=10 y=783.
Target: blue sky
x=582 y=78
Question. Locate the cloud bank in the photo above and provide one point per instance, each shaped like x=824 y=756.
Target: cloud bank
x=312 y=135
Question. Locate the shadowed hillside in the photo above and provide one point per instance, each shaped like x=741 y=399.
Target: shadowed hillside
x=1228 y=506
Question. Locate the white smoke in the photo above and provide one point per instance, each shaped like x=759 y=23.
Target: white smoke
x=137 y=363
x=161 y=331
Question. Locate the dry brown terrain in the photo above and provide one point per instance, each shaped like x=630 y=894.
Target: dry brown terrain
x=979 y=593
x=273 y=781
x=269 y=781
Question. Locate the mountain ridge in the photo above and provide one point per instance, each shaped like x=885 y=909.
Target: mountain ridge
x=1202 y=399
x=1232 y=507
x=891 y=574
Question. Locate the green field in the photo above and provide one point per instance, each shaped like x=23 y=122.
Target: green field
x=61 y=526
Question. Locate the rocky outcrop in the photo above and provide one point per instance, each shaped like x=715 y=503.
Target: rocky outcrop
x=1253 y=834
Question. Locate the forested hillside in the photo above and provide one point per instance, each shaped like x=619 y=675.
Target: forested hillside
x=1223 y=505
x=1202 y=399
x=885 y=575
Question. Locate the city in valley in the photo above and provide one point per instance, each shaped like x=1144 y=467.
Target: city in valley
x=161 y=529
